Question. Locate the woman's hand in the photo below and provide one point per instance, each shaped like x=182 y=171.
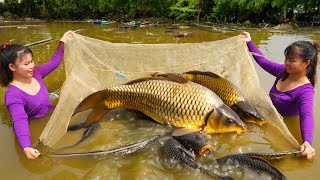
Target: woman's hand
x=67 y=36
x=246 y=36
x=307 y=150
x=31 y=153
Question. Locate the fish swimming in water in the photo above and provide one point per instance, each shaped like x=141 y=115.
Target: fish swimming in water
x=171 y=100
x=254 y=163
x=229 y=93
x=172 y=149
x=195 y=141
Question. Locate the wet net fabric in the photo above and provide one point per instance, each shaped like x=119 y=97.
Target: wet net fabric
x=93 y=65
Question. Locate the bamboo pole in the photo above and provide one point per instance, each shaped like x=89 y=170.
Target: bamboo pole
x=46 y=40
x=38 y=42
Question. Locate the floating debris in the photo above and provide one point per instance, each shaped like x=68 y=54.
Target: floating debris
x=101 y=22
x=180 y=35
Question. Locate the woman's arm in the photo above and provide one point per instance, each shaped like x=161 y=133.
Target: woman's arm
x=20 y=123
x=305 y=103
x=54 y=62
x=272 y=67
x=19 y=117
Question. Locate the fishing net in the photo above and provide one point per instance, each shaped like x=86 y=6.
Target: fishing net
x=92 y=65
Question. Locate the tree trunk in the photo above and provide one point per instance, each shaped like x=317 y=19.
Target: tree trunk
x=284 y=13
x=198 y=9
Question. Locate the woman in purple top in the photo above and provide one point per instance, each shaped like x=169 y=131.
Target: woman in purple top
x=27 y=96
x=293 y=90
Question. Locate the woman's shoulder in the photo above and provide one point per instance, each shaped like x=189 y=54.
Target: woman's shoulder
x=305 y=91
x=307 y=87
x=13 y=94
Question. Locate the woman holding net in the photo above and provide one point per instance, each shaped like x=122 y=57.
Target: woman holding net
x=27 y=96
x=293 y=90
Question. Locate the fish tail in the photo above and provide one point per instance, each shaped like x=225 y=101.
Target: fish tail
x=94 y=101
x=95 y=115
x=91 y=101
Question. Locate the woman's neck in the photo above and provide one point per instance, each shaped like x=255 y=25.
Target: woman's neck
x=20 y=80
x=300 y=77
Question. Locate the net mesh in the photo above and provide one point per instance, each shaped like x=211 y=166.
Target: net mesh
x=93 y=65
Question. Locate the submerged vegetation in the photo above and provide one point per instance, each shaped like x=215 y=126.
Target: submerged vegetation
x=305 y=12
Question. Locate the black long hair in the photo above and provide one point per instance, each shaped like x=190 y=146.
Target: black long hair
x=306 y=51
x=9 y=54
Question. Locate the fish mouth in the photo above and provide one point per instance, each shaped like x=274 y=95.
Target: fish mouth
x=205 y=150
x=241 y=129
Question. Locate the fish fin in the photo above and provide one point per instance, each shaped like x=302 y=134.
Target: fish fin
x=143 y=80
x=174 y=77
x=96 y=114
x=91 y=101
x=206 y=73
x=172 y=144
x=165 y=77
x=184 y=131
x=188 y=153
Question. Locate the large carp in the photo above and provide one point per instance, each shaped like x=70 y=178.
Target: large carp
x=229 y=93
x=172 y=100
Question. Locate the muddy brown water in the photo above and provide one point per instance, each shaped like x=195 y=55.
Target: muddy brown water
x=147 y=164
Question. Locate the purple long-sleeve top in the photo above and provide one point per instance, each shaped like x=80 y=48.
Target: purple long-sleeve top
x=298 y=101
x=23 y=106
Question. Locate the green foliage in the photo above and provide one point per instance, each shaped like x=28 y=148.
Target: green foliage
x=184 y=10
x=257 y=11
x=7 y=14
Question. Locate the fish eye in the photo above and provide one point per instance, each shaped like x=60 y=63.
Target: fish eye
x=198 y=137
x=246 y=115
x=230 y=121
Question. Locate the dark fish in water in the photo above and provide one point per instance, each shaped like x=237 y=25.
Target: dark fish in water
x=273 y=155
x=172 y=149
x=169 y=100
x=92 y=129
x=229 y=93
x=195 y=141
x=253 y=163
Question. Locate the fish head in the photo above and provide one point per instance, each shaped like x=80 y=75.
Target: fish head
x=223 y=119
x=248 y=113
x=195 y=141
